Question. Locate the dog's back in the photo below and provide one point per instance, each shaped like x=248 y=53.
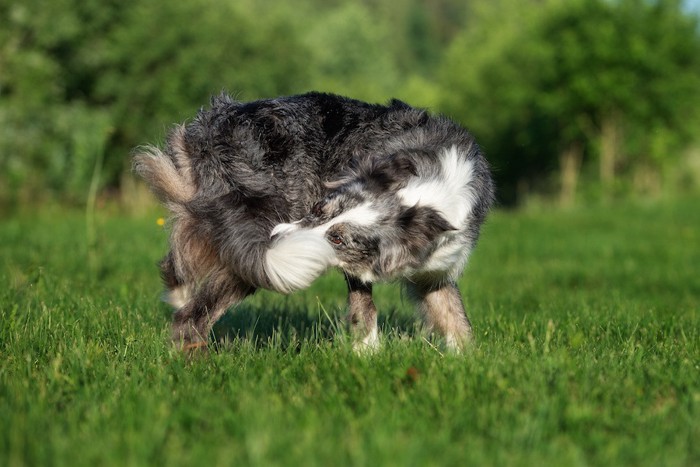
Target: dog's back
x=278 y=149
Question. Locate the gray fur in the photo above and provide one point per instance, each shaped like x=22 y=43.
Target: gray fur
x=238 y=170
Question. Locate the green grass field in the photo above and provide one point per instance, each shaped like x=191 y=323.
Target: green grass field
x=588 y=353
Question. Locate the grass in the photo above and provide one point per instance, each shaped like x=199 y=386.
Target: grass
x=588 y=354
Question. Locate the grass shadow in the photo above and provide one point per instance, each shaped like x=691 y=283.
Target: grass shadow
x=289 y=327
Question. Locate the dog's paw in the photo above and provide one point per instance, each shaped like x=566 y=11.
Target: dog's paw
x=459 y=344
x=187 y=339
x=367 y=345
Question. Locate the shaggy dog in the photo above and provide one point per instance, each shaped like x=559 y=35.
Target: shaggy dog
x=271 y=193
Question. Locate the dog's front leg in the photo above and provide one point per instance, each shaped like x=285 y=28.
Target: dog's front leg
x=443 y=311
x=362 y=314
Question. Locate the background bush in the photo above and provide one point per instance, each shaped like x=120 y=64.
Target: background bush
x=587 y=97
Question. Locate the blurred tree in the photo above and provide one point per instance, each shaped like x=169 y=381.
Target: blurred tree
x=167 y=59
x=83 y=78
x=348 y=53
x=377 y=50
x=573 y=79
x=50 y=61
x=488 y=76
x=627 y=67
x=547 y=86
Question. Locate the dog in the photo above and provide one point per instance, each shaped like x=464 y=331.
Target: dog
x=271 y=193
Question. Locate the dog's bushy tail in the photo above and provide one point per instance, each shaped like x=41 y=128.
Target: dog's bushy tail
x=168 y=173
x=294 y=261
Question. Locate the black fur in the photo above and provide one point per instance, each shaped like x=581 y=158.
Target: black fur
x=240 y=169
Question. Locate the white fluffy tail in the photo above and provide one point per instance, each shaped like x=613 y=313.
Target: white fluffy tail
x=298 y=258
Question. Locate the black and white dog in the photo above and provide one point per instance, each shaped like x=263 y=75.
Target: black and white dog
x=271 y=193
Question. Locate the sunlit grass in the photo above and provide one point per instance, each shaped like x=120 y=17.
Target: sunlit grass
x=588 y=352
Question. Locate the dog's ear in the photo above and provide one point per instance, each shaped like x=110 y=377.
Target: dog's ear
x=386 y=173
x=378 y=174
x=401 y=165
x=417 y=228
x=420 y=225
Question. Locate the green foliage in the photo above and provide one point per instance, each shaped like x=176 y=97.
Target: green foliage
x=50 y=128
x=489 y=70
x=537 y=80
x=347 y=49
x=588 y=354
x=80 y=80
x=167 y=59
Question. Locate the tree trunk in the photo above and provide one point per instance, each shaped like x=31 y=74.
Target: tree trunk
x=610 y=138
x=570 y=166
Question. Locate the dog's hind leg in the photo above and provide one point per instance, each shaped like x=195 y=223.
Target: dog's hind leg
x=193 y=322
x=362 y=314
x=177 y=291
x=443 y=312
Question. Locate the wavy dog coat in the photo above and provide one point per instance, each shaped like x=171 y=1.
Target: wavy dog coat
x=271 y=193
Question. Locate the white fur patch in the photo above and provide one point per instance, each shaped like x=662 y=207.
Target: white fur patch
x=450 y=256
x=368 y=276
x=297 y=259
x=363 y=214
x=283 y=229
x=177 y=297
x=367 y=344
x=450 y=193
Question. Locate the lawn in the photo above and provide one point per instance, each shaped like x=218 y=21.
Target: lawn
x=588 y=353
